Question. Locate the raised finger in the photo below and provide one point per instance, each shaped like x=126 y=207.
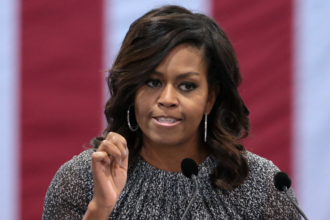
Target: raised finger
x=120 y=138
x=124 y=151
x=101 y=156
x=112 y=150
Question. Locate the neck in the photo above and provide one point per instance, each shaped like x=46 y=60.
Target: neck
x=169 y=157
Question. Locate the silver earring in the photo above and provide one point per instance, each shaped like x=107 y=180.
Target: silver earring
x=128 y=122
x=205 y=127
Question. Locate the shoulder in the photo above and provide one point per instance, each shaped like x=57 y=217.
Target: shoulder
x=253 y=192
x=72 y=186
x=78 y=163
x=78 y=169
x=259 y=165
x=274 y=204
x=261 y=173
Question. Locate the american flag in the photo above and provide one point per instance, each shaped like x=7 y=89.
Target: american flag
x=53 y=57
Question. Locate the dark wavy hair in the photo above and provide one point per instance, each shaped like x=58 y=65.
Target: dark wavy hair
x=147 y=42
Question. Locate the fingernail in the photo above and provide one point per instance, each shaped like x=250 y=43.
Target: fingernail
x=120 y=162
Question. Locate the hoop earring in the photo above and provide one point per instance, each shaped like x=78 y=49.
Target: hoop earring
x=205 y=127
x=128 y=122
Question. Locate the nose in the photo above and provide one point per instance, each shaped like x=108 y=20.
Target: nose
x=168 y=97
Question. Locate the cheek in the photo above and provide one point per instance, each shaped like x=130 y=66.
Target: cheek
x=143 y=104
x=195 y=110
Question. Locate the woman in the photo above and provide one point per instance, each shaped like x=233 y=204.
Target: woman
x=174 y=95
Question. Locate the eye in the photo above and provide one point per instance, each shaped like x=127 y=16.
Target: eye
x=187 y=86
x=153 y=83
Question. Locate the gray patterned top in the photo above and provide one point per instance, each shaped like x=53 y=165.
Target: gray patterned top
x=151 y=193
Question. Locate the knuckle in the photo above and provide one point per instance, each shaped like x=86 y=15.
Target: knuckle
x=114 y=140
x=123 y=141
x=109 y=135
x=120 y=139
x=117 y=153
x=101 y=146
x=106 y=143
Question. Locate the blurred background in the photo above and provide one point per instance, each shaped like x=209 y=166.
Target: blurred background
x=53 y=57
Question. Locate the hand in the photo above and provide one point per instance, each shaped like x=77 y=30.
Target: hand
x=109 y=168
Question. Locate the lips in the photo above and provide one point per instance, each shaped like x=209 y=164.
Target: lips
x=166 y=120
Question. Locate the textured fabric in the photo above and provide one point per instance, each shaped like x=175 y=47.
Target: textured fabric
x=151 y=193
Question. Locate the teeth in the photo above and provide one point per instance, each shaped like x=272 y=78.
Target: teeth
x=167 y=120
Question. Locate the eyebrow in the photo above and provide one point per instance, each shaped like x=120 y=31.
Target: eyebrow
x=180 y=76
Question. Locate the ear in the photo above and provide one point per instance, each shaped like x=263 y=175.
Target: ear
x=212 y=96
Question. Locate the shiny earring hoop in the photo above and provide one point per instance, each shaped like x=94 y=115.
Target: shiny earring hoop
x=128 y=122
x=205 y=127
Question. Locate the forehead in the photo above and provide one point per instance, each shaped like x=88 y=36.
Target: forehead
x=183 y=59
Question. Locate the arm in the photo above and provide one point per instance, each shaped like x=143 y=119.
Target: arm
x=69 y=193
x=109 y=167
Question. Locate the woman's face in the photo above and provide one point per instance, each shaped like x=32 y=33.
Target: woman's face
x=171 y=104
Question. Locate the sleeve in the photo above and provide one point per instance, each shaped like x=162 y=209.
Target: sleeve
x=66 y=196
x=278 y=206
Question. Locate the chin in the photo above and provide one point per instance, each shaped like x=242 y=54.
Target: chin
x=167 y=140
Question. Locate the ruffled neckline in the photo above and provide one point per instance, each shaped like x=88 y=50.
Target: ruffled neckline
x=204 y=169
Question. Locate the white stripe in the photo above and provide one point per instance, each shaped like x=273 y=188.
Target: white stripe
x=9 y=132
x=312 y=107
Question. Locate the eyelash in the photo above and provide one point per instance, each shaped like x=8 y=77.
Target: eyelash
x=150 y=83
